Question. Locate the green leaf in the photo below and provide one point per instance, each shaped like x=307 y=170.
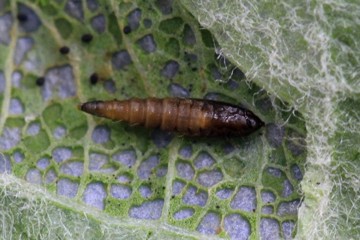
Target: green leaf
x=307 y=54
x=64 y=174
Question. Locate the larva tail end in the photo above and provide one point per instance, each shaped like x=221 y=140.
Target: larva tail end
x=91 y=107
x=79 y=106
x=85 y=107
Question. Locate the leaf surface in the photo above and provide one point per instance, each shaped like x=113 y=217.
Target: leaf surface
x=65 y=174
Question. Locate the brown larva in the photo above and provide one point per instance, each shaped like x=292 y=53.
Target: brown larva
x=192 y=117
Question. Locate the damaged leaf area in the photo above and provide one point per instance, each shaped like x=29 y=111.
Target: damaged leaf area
x=70 y=175
x=308 y=55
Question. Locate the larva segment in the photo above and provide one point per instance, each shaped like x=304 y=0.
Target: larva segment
x=153 y=115
x=197 y=121
x=169 y=114
x=137 y=112
x=182 y=120
x=193 y=117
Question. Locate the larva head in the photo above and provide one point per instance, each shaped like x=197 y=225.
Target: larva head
x=243 y=124
x=234 y=120
x=253 y=122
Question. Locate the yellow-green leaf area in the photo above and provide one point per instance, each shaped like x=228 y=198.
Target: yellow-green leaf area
x=127 y=180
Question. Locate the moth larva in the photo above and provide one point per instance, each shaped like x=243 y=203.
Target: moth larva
x=192 y=117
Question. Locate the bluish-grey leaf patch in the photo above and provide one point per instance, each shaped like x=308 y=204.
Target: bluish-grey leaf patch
x=10 y=138
x=120 y=191
x=224 y=193
x=31 y=21
x=6 y=22
x=209 y=178
x=184 y=213
x=193 y=196
x=43 y=163
x=23 y=45
x=134 y=18
x=5 y=163
x=267 y=210
x=75 y=9
x=74 y=169
x=177 y=187
x=94 y=195
x=66 y=187
x=170 y=69
x=204 y=160
x=186 y=151
x=61 y=154
x=121 y=59
x=50 y=176
x=99 y=23
x=237 y=227
x=185 y=170
x=267 y=196
x=288 y=188
x=33 y=176
x=18 y=156
x=125 y=157
x=145 y=191
x=269 y=229
x=101 y=134
x=16 y=78
x=145 y=169
x=147 y=43
x=288 y=208
x=33 y=129
x=176 y=90
x=150 y=210
x=209 y=224
x=244 y=199
x=60 y=81
x=16 y=106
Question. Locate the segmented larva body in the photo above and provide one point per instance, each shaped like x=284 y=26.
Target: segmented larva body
x=193 y=117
